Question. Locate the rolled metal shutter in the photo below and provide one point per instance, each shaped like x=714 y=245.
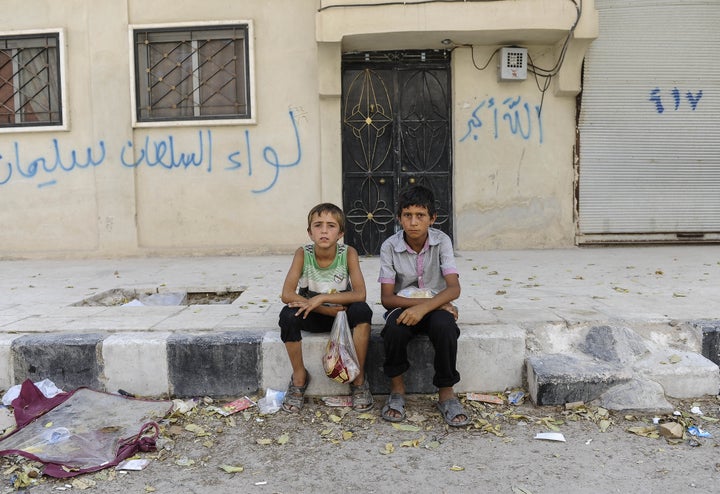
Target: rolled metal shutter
x=649 y=124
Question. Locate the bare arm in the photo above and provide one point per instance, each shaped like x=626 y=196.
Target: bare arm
x=316 y=303
x=289 y=290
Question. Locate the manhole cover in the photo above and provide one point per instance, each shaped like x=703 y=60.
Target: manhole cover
x=155 y=297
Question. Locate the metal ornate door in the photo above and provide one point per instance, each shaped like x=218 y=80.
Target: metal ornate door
x=396 y=131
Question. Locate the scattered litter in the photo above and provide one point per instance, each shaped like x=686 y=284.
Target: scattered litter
x=46 y=386
x=182 y=406
x=671 y=430
x=696 y=410
x=157 y=299
x=656 y=420
x=135 y=464
x=698 y=432
x=83 y=431
x=337 y=401
x=7 y=419
x=232 y=468
x=233 y=407
x=550 y=436
x=677 y=413
x=574 y=405
x=271 y=402
x=588 y=442
x=649 y=431
x=185 y=462
x=516 y=398
x=261 y=483
x=496 y=400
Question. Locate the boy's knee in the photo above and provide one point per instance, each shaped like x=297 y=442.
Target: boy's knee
x=358 y=313
x=290 y=325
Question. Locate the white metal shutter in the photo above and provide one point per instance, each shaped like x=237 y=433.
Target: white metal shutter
x=650 y=120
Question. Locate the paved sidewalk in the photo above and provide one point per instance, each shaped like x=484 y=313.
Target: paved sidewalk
x=514 y=304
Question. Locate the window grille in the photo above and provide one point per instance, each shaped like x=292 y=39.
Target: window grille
x=30 y=90
x=192 y=73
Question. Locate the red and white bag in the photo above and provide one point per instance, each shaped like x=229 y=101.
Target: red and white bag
x=340 y=360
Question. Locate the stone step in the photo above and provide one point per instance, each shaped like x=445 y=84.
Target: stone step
x=491 y=358
x=232 y=363
x=628 y=368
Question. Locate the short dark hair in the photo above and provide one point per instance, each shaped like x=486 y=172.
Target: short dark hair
x=417 y=195
x=328 y=207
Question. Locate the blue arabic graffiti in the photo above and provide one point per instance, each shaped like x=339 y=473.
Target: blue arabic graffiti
x=693 y=99
x=162 y=152
x=154 y=152
x=521 y=119
x=270 y=157
x=48 y=165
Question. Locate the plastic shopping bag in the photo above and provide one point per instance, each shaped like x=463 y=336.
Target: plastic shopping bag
x=340 y=360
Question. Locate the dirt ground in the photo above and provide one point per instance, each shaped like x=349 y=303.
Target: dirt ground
x=326 y=449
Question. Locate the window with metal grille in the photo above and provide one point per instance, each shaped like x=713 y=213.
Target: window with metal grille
x=192 y=73
x=30 y=90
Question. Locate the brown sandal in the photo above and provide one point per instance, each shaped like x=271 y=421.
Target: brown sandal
x=362 y=399
x=295 y=395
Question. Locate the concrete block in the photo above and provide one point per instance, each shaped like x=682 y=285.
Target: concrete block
x=710 y=331
x=681 y=374
x=136 y=363
x=276 y=368
x=613 y=344
x=7 y=373
x=69 y=360
x=490 y=358
x=223 y=364
x=418 y=378
x=556 y=379
x=638 y=396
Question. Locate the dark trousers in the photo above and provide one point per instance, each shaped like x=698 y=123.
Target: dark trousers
x=440 y=327
x=291 y=325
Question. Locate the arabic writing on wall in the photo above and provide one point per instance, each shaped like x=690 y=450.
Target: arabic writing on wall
x=163 y=152
x=512 y=115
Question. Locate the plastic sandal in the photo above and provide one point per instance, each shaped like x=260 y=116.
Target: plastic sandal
x=295 y=395
x=451 y=409
x=395 y=402
x=362 y=399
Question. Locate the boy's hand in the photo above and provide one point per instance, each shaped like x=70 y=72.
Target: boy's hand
x=451 y=309
x=307 y=306
x=412 y=315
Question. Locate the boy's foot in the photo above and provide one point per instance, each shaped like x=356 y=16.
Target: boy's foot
x=362 y=399
x=453 y=412
x=295 y=395
x=394 y=409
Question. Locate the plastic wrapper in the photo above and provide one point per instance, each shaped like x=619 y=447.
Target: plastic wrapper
x=340 y=360
x=85 y=432
x=415 y=292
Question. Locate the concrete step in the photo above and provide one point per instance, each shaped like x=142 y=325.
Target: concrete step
x=602 y=358
x=232 y=363
x=491 y=357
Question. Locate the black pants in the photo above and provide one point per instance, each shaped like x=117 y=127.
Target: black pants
x=291 y=325
x=440 y=327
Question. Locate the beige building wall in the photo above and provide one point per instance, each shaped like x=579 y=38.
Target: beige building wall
x=251 y=184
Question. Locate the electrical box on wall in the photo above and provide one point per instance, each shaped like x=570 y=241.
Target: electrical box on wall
x=513 y=64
